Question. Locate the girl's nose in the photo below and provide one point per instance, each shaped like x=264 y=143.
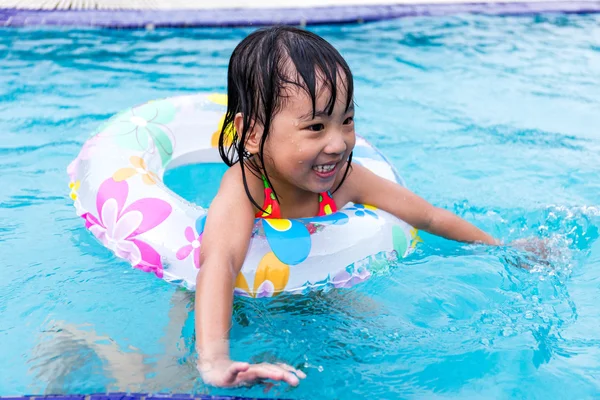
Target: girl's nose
x=336 y=144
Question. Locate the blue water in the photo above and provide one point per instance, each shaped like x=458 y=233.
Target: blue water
x=494 y=118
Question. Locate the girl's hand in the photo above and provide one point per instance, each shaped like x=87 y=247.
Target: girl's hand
x=227 y=373
x=538 y=252
x=539 y=247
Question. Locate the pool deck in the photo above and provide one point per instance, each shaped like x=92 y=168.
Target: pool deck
x=235 y=4
x=199 y=13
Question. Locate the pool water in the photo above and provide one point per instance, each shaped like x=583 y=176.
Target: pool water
x=494 y=118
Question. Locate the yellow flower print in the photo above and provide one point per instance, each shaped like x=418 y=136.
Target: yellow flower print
x=229 y=133
x=270 y=279
x=218 y=98
x=416 y=239
x=139 y=167
x=221 y=99
x=74 y=186
x=241 y=285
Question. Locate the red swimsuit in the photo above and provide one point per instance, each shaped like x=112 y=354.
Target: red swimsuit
x=271 y=205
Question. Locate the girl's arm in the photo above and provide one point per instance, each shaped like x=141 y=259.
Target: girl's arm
x=224 y=245
x=363 y=186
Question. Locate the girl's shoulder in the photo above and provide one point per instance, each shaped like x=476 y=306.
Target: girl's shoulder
x=232 y=184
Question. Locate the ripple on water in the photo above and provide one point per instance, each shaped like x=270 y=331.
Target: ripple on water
x=493 y=118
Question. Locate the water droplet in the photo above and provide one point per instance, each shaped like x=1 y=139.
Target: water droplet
x=528 y=315
x=320 y=368
x=507 y=332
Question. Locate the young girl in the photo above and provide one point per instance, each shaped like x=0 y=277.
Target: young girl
x=291 y=101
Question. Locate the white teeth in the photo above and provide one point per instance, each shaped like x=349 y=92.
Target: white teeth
x=324 y=168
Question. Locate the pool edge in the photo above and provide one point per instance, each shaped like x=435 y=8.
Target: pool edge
x=130 y=396
x=152 y=18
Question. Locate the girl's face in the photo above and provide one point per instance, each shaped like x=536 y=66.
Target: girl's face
x=305 y=152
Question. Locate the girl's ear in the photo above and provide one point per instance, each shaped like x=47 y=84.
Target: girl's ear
x=253 y=136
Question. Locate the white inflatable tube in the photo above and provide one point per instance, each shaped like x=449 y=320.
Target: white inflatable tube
x=117 y=188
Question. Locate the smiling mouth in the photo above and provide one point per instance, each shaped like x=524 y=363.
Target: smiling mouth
x=324 y=169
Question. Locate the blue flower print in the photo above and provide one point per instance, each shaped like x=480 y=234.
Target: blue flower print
x=361 y=210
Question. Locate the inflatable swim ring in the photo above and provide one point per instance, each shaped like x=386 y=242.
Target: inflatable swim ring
x=116 y=185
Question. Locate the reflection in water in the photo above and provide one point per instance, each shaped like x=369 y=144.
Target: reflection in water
x=65 y=353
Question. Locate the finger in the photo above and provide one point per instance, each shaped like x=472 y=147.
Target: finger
x=289 y=368
x=269 y=372
x=289 y=377
x=233 y=371
x=237 y=367
x=278 y=368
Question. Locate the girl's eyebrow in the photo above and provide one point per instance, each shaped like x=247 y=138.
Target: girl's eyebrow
x=322 y=114
x=317 y=114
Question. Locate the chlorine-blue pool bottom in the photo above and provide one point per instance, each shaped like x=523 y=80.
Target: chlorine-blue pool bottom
x=494 y=118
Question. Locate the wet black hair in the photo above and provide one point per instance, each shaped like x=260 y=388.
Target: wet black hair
x=260 y=69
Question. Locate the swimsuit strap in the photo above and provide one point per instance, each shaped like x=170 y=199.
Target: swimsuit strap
x=326 y=204
x=271 y=205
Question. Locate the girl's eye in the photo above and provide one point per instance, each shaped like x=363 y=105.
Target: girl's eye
x=316 y=127
x=348 y=120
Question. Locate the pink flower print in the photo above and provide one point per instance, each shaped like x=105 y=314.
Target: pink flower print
x=194 y=242
x=194 y=246
x=344 y=279
x=118 y=227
